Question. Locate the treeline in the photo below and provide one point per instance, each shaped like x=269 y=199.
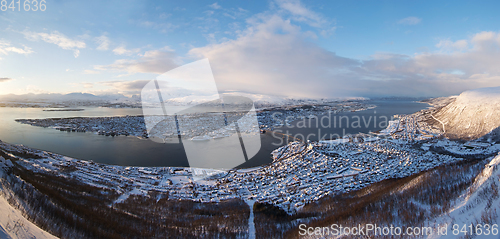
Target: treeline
x=407 y=201
x=69 y=209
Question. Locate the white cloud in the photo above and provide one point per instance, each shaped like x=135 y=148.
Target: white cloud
x=6 y=47
x=302 y=14
x=162 y=27
x=410 y=21
x=4 y=79
x=444 y=73
x=274 y=57
x=215 y=6
x=448 y=45
x=56 y=38
x=121 y=50
x=126 y=87
x=155 y=61
x=103 y=42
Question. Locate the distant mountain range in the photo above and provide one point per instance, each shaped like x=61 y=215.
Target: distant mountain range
x=38 y=98
x=174 y=98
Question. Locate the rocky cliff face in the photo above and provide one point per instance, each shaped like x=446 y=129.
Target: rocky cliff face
x=473 y=114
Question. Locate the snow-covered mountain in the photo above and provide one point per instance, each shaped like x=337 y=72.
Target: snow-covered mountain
x=472 y=115
x=32 y=98
x=173 y=97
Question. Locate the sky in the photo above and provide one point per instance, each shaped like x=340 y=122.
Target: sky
x=289 y=48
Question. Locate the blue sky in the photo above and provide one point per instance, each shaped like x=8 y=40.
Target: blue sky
x=276 y=47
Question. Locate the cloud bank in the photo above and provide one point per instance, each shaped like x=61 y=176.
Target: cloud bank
x=275 y=56
x=155 y=61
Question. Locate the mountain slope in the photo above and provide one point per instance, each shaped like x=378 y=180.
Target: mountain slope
x=472 y=115
x=12 y=222
x=479 y=206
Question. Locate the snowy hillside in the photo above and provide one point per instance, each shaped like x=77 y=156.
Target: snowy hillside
x=473 y=114
x=12 y=222
x=479 y=206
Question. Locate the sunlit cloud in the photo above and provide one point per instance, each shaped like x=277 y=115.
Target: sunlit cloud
x=128 y=88
x=154 y=61
x=302 y=14
x=121 y=50
x=448 y=45
x=58 y=39
x=6 y=47
x=274 y=57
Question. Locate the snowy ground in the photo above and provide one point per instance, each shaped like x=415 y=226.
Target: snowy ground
x=473 y=114
x=478 y=207
x=301 y=173
x=12 y=222
x=14 y=225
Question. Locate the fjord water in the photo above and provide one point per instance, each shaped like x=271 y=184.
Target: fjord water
x=133 y=151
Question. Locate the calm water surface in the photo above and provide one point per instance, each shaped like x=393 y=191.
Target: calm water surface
x=134 y=151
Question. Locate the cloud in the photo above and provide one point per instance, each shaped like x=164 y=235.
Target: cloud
x=448 y=45
x=154 y=61
x=88 y=85
x=126 y=87
x=4 y=79
x=215 y=6
x=121 y=50
x=103 y=42
x=302 y=14
x=273 y=56
x=162 y=27
x=443 y=73
x=58 y=39
x=410 y=21
x=76 y=53
x=5 y=48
